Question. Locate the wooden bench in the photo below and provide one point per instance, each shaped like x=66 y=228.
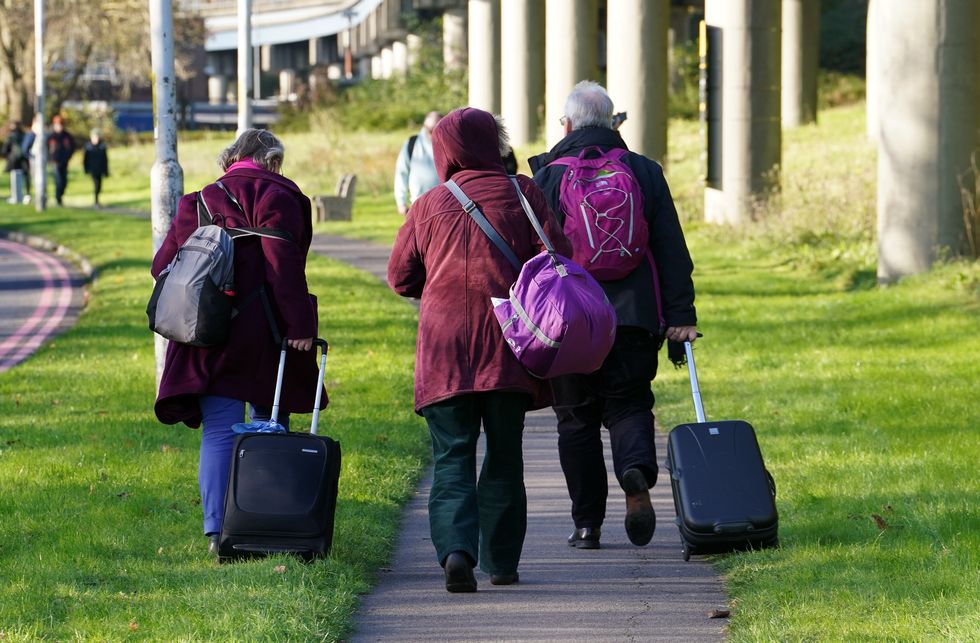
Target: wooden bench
x=336 y=207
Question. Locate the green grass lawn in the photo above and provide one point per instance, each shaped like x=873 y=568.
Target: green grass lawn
x=100 y=519
x=864 y=399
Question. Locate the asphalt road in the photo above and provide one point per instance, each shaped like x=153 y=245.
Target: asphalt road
x=40 y=296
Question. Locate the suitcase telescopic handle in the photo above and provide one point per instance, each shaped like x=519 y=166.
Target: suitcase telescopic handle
x=282 y=367
x=695 y=390
x=322 y=343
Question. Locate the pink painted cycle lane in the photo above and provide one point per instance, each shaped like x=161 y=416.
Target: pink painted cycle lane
x=40 y=296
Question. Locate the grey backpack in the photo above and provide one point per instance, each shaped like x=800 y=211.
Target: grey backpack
x=194 y=296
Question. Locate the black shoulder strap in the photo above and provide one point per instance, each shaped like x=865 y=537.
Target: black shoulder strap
x=234 y=233
x=203 y=212
x=411 y=145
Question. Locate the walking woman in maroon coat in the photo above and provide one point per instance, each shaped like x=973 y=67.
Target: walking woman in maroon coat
x=211 y=386
x=465 y=375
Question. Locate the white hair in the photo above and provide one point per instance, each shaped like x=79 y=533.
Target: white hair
x=589 y=105
x=503 y=137
x=262 y=146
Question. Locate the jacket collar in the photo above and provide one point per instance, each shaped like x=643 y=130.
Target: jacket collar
x=259 y=173
x=576 y=141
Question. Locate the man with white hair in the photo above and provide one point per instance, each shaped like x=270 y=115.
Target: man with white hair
x=415 y=170
x=591 y=180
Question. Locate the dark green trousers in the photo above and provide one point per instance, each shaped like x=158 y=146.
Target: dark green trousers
x=486 y=519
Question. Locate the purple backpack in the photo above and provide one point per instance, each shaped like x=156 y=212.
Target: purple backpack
x=556 y=319
x=603 y=207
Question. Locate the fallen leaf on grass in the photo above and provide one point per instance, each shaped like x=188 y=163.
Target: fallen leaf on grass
x=880 y=522
x=160 y=552
x=133 y=626
x=719 y=613
x=279 y=569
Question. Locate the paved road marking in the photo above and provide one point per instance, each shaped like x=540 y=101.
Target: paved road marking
x=50 y=311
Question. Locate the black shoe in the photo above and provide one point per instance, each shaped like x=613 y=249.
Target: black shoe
x=641 y=521
x=459 y=573
x=213 y=544
x=585 y=538
x=504 y=579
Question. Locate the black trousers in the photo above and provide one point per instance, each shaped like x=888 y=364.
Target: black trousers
x=60 y=173
x=97 y=186
x=617 y=396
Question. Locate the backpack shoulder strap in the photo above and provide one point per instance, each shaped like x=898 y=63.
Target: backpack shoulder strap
x=411 y=145
x=475 y=213
x=204 y=216
x=234 y=233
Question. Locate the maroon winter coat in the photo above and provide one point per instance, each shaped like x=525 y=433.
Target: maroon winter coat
x=442 y=257
x=245 y=366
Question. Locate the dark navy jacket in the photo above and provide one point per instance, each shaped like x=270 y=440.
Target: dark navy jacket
x=633 y=297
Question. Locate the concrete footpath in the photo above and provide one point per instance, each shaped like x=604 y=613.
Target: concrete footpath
x=617 y=593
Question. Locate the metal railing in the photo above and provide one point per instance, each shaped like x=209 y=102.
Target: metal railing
x=225 y=7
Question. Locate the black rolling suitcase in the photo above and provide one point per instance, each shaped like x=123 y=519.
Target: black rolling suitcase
x=282 y=489
x=724 y=497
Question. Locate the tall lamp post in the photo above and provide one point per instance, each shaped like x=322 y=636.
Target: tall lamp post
x=349 y=54
x=40 y=151
x=244 y=64
x=166 y=175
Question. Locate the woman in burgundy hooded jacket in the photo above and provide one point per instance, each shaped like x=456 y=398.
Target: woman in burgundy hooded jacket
x=465 y=374
x=211 y=385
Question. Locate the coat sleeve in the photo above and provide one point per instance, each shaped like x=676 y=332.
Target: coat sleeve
x=286 y=260
x=406 y=270
x=669 y=248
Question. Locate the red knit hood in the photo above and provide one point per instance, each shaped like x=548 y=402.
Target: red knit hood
x=466 y=139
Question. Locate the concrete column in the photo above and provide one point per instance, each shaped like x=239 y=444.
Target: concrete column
x=484 y=55
x=747 y=31
x=571 y=42
x=636 y=71
x=376 y=67
x=801 y=53
x=287 y=84
x=454 y=39
x=414 y=46
x=926 y=73
x=387 y=63
x=265 y=58
x=364 y=67
x=522 y=68
x=399 y=58
x=217 y=89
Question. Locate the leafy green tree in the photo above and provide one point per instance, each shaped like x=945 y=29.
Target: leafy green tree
x=78 y=33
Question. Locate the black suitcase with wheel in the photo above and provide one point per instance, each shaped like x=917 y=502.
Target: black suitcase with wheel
x=282 y=489
x=724 y=497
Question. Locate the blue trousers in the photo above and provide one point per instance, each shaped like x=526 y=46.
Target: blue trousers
x=217 y=443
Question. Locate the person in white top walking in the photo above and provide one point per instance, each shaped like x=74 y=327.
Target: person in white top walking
x=415 y=171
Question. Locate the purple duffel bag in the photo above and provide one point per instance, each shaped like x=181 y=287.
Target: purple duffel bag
x=557 y=319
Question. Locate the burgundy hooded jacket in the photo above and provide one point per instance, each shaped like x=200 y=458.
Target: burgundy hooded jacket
x=442 y=257
x=245 y=366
